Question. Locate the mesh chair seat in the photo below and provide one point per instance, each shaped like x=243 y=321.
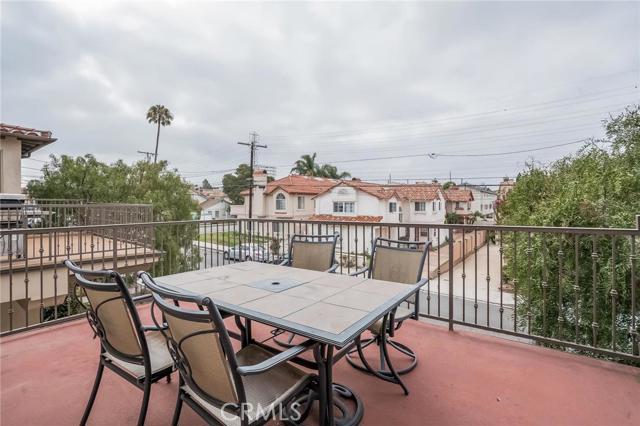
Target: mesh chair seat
x=263 y=391
x=402 y=313
x=158 y=354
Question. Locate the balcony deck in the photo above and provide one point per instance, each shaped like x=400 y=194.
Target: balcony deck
x=463 y=378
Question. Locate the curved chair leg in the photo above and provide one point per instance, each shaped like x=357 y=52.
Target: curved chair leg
x=177 y=411
x=287 y=343
x=391 y=344
x=392 y=370
x=94 y=392
x=145 y=402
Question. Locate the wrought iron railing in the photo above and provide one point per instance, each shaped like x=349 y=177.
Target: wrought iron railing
x=571 y=288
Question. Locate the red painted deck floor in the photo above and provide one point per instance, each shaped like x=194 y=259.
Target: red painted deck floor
x=463 y=378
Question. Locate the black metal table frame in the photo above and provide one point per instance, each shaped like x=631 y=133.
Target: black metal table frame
x=325 y=356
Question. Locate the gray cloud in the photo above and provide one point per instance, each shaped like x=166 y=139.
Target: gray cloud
x=352 y=80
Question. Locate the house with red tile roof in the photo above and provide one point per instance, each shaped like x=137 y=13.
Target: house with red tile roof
x=347 y=202
x=290 y=197
x=458 y=201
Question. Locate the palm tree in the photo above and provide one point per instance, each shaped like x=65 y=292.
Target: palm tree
x=306 y=166
x=329 y=171
x=162 y=116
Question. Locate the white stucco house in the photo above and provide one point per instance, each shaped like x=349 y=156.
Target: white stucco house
x=484 y=200
x=347 y=203
x=215 y=208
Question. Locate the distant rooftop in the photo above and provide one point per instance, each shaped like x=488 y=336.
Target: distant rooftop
x=32 y=139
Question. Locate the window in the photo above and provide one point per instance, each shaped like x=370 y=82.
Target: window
x=343 y=207
x=393 y=207
x=281 y=203
x=275 y=227
x=439 y=205
x=217 y=214
x=424 y=232
x=420 y=206
x=300 y=203
x=433 y=206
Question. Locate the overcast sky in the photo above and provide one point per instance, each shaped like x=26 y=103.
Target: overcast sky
x=348 y=81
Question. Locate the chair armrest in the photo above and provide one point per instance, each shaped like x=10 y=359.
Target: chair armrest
x=360 y=272
x=268 y=364
x=422 y=282
x=146 y=328
x=285 y=262
x=141 y=297
x=333 y=268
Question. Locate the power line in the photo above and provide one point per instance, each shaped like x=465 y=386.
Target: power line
x=435 y=155
x=589 y=97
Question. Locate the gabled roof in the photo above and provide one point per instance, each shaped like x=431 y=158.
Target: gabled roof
x=410 y=192
x=31 y=139
x=296 y=184
x=456 y=194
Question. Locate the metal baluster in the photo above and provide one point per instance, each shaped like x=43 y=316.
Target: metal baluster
x=475 y=278
x=560 y=278
x=576 y=287
x=501 y=282
x=10 y=255
x=594 y=294
x=450 y=236
x=464 y=276
x=515 y=282
x=529 y=252
x=634 y=330
x=42 y=281
x=545 y=282
x=26 y=280
x=486 y=242
x=613 y=293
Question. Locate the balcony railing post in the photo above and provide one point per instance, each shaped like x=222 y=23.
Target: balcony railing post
x=451 y=241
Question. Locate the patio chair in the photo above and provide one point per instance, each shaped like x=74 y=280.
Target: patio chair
x=220 y=385
x=135 y=352
x=313 y=252
x=401 y=262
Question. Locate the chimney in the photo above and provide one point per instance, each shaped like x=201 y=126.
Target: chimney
x=260 y=178
x=259 y=186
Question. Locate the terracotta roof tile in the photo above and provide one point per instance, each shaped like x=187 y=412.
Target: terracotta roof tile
x=332 y=218
x=458 y=195
x=296 y=184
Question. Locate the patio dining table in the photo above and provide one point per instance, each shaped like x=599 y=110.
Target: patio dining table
x=330 y=309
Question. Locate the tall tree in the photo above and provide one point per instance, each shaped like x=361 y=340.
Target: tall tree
x=88 y=179
x=206 y=184
x=306 y=166
x=160 y=115
x=596 y=187
x=329 y=171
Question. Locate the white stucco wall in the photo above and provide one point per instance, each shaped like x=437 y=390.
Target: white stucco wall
x=210 y=212
x=10 y=155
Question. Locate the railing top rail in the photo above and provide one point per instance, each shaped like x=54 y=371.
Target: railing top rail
x=504 y=228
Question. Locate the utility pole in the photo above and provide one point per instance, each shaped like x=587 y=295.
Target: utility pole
x=253 y=145
x=148 y=154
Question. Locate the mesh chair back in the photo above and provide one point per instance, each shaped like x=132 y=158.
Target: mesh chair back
x=199 y=344
x=313 y=252
x=398 y=261
x=111 y=312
